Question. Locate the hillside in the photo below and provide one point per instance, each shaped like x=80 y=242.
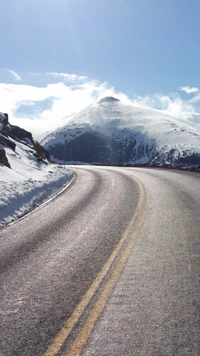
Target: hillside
x=111 y=132
x=27 y=178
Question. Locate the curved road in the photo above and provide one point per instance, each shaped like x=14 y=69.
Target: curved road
x=109 y=267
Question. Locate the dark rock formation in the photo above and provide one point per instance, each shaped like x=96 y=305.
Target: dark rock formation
x=95 y=147
x=15 y=132
x=6 y=119
x=193 y=159
x=3 y=158
x=107 y=99
x=18 y=134
x=41 y=153
x=6 y=142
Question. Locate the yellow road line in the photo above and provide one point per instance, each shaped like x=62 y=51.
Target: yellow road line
x=95 y=313
x=63 y=334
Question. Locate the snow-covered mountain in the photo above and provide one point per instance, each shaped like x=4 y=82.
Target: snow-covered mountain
x=111 y=132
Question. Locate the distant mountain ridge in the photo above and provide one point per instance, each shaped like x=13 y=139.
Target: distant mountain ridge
x=111 y=132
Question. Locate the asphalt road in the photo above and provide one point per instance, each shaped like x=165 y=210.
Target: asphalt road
x=110 y=267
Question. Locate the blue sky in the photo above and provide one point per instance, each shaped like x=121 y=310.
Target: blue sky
x=145 y=49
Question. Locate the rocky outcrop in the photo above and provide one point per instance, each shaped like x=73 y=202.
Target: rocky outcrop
x=10 y=133
x=6 y=119
x=40 y=152
x=6 y=142
x=14 y=132
x=17 y=133
x=108 y=99
x=3 y=158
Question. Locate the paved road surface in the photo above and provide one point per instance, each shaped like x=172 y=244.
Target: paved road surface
x=110 y=267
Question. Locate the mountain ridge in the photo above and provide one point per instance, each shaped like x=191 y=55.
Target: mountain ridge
x=124 y=133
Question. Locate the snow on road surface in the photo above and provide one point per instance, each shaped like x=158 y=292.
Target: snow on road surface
x=28 y=183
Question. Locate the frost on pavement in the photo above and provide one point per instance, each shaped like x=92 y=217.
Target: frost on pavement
x=28 y=183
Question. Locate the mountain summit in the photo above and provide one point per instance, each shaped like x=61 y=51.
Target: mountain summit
x=119 y=134
x=108 y=99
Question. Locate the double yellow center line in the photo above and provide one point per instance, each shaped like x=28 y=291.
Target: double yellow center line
x=85 y=332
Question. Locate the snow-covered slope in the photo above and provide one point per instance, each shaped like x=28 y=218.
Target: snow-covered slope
x=27 y=180
x=123 y=133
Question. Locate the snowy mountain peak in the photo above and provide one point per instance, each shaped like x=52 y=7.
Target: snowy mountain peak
x=108 y=99
x=118 y=133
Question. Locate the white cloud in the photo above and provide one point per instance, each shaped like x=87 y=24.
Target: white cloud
x=171 y=104
x=47 y=106
x=66 y=76
x=65 y=99
x=189 y=90
x=15 y=75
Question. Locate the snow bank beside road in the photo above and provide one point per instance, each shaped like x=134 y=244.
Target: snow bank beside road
x=17 y=198
x=28 y=183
